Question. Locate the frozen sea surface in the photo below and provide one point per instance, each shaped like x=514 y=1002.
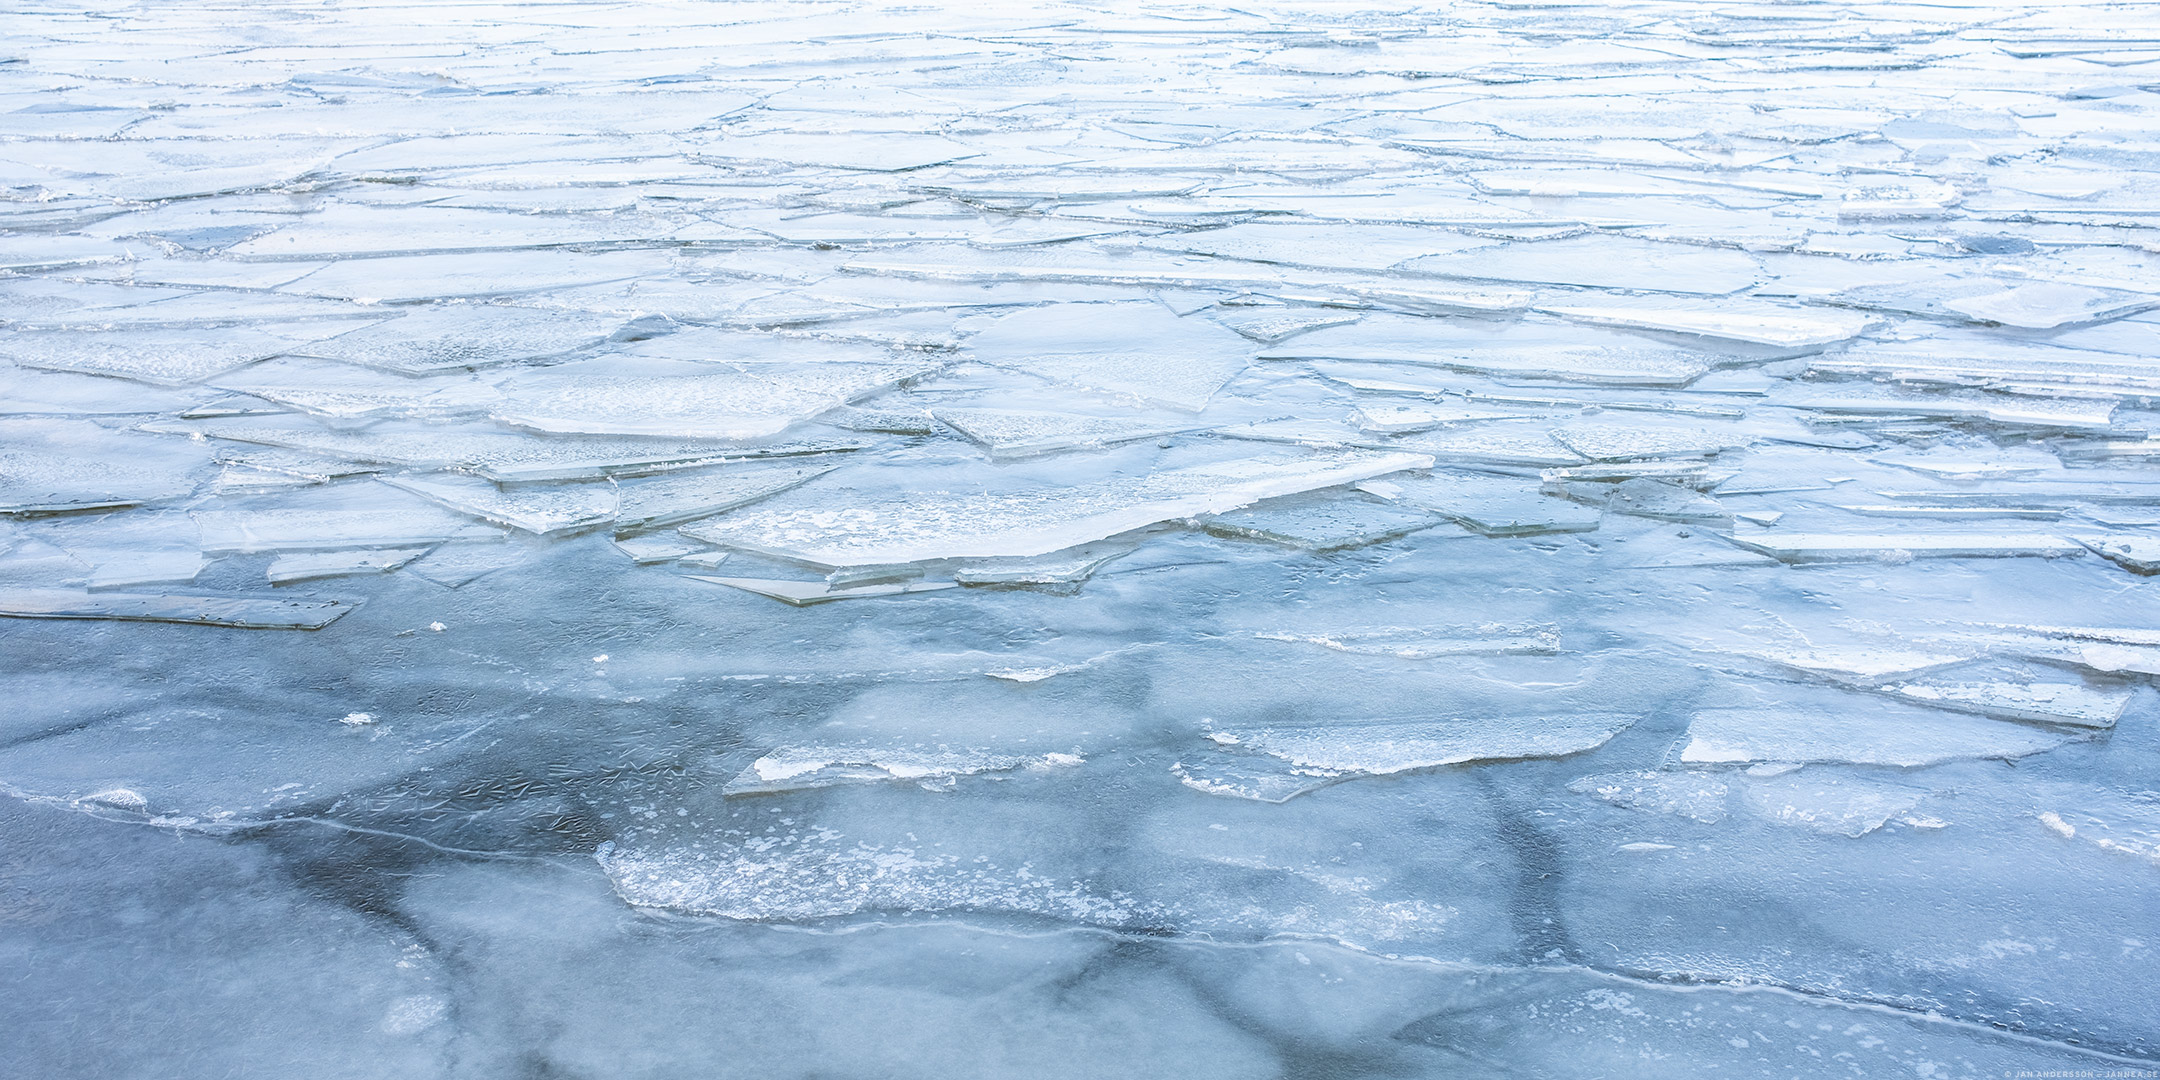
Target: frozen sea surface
x=1499 y=538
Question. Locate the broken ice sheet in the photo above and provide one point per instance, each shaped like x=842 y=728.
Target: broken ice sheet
x=2074 y=704
x=1858 y=732
x=1603 y=262
x=1133 y=351
x=299 y=566
x=249 y=612
x=1490 y=505
x=457 y=564
x=748 y=402
x=50 y=466
x=448 y=338
x=160 y=357
x=2010 y=301
x=1836 y=803
x=1399 y=419
x=1895 y=547
x=2137 y=554
x=345 y=392
x=540 y=509
x=806 y=593
x=1321 y=523
x=1428 y=642
x=2045 y=305
x=1760 y=324
x=1525 y=350
x=1271 y=324
x=339 y=525
x=656 y=547
x=822 y=874
x=502 y=456
x=875 y=525
x=1688 y=793
x=1866 y=666
x=931 y=767
x=1302 y=242
x=1274 y=764
x=130 y=569
x=656 y=502
x=1644 y=497
x=1010 y=433
x=1057 y=572
x=1635 y=442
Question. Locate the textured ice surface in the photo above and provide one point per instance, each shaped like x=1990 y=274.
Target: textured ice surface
x=1275 y=764
x=1862 y=734
x=1661 y=706
x=959 y=524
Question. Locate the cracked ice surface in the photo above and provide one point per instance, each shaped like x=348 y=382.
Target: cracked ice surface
x=1492 y=538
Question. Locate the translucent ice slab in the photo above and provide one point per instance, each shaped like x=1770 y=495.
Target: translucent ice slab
x=881 y=527
x=247 y=531
x=312 y=565
x=1491 y=505
x=1860 y=734
x=543 y=510
x=1140 y=352
x=1317 y=524
x=1009 y=433
x=1277 y=763
x=261 y=613
x=934 y=768
x=1825 y=547
x=743 y=404
x=449 y=337
x=806 y=593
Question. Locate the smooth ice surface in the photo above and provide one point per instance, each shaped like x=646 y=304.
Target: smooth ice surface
x=802 y=538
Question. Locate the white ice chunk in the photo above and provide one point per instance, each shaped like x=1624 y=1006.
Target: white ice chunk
x=2049 y=703
x=1696 y=795
x=1346 y=751
x=2137 y=554
x=1858 y=733
x=1428 y=642
x=796 y=768
x=1859 y=667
